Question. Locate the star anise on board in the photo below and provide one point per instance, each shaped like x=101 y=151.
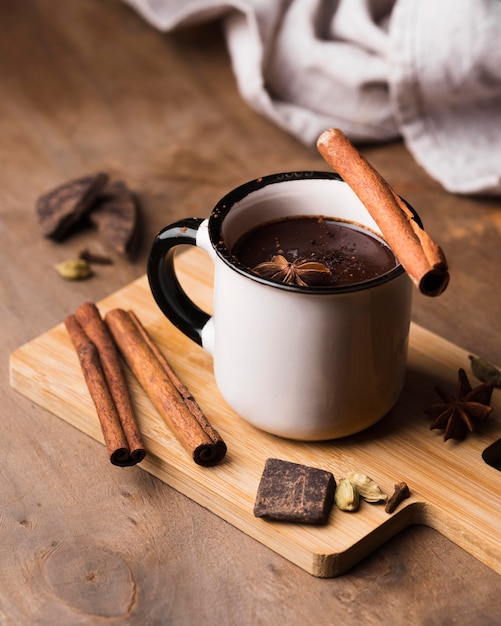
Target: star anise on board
x=299 y=272
x=458 y=414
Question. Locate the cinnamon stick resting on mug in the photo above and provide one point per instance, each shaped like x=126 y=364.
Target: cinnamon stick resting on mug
x=422 y=258
x=168 y=395
x=123 y=442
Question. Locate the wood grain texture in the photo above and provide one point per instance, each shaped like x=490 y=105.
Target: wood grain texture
x=87 y=85
x=451 y=485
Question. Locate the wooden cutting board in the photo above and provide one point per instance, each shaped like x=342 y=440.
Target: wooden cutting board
x=453 y=489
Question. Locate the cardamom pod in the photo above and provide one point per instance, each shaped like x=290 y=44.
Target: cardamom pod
x=368 y=489
x=346 y=496
x=77 y=269
x=485 y=371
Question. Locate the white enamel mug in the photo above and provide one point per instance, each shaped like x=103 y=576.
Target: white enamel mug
x=305 y=363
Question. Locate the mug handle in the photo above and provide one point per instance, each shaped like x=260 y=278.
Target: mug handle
x=164 y=284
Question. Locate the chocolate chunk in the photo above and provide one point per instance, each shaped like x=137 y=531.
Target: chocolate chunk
x=290 y=492
x=116 y=216
x=60 y=209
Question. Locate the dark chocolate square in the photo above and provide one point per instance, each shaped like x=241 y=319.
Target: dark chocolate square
x=291 y=492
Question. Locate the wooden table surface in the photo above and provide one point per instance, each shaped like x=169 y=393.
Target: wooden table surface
x=85 y=86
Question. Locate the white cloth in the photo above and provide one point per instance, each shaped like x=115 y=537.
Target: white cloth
x=424 y=70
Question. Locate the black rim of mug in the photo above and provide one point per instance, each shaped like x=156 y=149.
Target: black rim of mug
x=224 y=206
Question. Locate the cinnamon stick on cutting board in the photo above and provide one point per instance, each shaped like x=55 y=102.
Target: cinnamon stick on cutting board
x=184 y=392
x=423 y=260
x=148 y=365
x=93 y=325
x=90 y=363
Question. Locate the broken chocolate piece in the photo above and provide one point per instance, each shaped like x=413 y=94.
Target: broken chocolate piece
x=116 y=216
x=291 y=492
x=60 y=209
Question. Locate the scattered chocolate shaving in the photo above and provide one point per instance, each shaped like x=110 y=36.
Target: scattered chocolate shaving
x=290 y=492
x=60 y=209
x=116 y=216
x=93 y=258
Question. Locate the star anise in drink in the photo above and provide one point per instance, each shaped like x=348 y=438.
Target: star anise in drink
x=458 y=414
x=299 y=272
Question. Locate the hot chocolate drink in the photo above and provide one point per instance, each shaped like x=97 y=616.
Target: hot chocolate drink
x=321 y=250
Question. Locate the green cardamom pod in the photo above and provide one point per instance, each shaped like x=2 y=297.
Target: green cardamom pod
x=346 y=496
x=77 y=269
x=368 y=489
x=485 y=371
